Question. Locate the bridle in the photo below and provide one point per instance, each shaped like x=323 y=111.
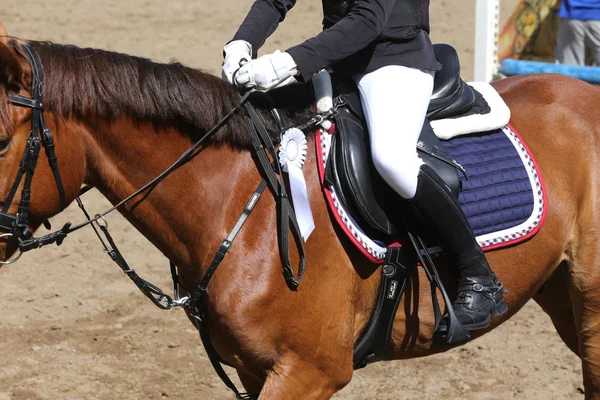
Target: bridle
x=15 y=225
x=265 y=157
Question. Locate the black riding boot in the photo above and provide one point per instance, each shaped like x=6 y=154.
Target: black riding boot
x=479 y=292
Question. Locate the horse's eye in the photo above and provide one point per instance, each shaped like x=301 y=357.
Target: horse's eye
x=4 y=144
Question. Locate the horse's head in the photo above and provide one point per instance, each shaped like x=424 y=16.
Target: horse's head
x=13 y=128
x=26 y=199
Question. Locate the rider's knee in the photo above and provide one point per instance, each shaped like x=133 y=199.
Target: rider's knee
x=398 y=168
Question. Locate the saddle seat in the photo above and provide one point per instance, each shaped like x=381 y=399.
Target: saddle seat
x=350 y=170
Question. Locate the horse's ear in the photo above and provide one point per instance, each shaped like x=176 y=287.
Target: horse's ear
x=3 y=34
x=11 y=71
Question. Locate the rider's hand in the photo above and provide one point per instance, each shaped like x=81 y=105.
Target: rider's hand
x=267 y=72
x=237 y=53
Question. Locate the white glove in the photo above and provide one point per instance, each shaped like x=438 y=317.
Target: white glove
x=267 y=72
x=237 y=53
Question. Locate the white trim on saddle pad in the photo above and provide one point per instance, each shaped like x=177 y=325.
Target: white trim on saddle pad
x=376 y=252
x=497 y=118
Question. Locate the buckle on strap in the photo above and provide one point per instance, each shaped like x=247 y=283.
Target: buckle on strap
x=35 y=243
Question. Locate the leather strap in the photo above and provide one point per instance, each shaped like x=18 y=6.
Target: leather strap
x=478 y=287
x=285 y=211
x=13 y=190
x=34 y=146
x=48 y=142
x=184 y=158
x=226 y=245
x=196 y=305
x=261 y=142
x=214 y=358
x=25 y=102
x=56 y=237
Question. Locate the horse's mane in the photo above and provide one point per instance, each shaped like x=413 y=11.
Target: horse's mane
x=86 y=83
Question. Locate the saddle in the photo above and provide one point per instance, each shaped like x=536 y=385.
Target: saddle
x=350 y=170
x=378 y=210
x=376 y=219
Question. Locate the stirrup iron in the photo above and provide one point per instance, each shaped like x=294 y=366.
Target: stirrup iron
x=456 y=333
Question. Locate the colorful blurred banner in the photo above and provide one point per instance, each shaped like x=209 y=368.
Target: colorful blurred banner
x=530 y=33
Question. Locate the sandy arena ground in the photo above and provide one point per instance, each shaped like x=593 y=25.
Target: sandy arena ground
x=73 y=326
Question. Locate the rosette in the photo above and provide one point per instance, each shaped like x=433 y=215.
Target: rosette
x=292 y=149
x=292 y=154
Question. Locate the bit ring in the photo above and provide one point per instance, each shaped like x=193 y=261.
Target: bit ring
x=14 y=260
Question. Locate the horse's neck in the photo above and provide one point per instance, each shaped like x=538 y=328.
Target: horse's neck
x=184 y=216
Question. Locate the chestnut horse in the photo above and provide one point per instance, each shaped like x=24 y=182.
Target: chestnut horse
x=119 y=121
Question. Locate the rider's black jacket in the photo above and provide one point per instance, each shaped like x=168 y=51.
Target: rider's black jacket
x=359 y=36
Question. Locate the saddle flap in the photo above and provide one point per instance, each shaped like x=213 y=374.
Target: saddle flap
x=356 y=172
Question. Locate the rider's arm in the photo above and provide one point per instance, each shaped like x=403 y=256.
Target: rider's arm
x=363 y=24
x=262 y=20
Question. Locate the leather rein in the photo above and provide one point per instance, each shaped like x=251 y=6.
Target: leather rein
x=263 y=150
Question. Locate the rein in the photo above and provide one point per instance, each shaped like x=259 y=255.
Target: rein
x=29 y=243
x=264 y=155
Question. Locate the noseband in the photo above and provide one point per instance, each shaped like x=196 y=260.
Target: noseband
x=15 y=225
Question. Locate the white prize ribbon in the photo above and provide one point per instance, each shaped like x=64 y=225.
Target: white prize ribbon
x=292 y=153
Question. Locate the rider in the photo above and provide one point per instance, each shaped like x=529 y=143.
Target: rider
x=384 y=46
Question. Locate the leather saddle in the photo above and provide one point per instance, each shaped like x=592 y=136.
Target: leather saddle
x=350 y=170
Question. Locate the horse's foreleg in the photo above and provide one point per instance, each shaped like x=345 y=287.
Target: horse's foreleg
x=293 y=378
x=555 y=300
x=584 y=287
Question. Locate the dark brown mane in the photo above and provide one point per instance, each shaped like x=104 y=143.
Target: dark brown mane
x=86 y=83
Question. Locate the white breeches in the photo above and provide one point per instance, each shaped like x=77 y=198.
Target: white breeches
x=395 y=101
